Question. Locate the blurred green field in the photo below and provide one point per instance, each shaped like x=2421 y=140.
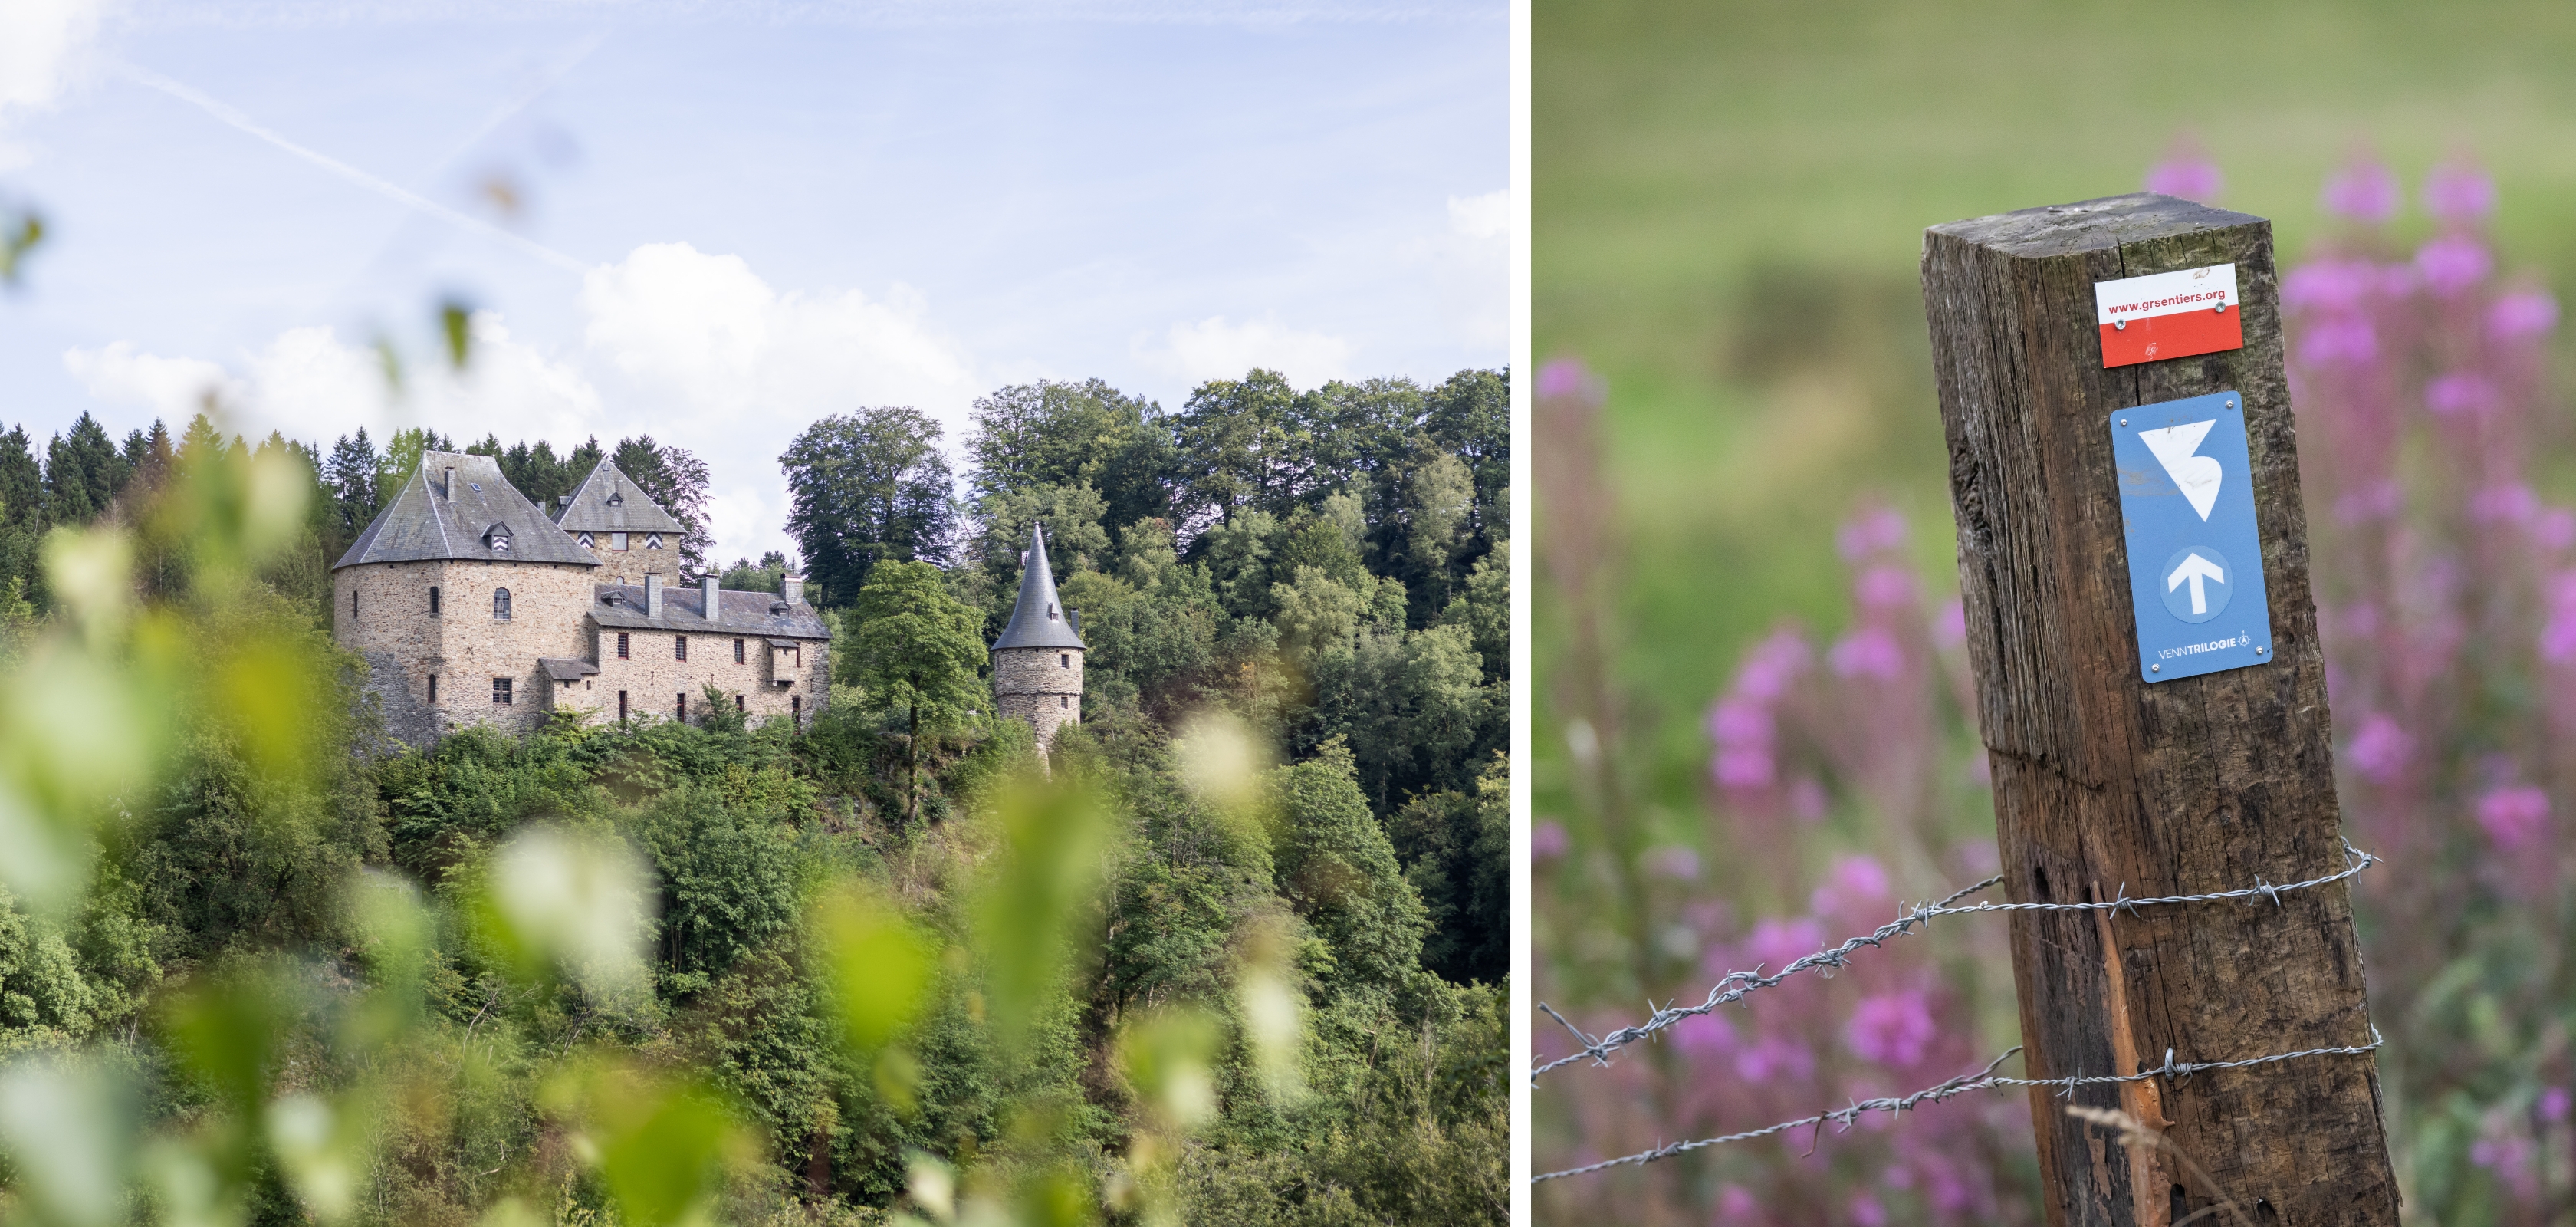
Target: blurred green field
x=1727 y=204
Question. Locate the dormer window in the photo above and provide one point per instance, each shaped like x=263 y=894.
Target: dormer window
x=497 y=538
x=1052 y=615
x=616 y=498
x=652 y=541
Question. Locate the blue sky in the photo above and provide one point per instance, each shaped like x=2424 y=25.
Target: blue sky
x=718 y=221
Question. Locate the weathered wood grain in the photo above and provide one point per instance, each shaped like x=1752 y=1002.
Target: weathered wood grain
x=2199 y=784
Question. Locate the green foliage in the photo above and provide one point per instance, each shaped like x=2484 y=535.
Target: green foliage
x=1456 y=849
x=890 y=964
x=865 y=488
x=1336 y=866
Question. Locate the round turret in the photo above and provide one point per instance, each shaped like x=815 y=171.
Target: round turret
x=1037 y=663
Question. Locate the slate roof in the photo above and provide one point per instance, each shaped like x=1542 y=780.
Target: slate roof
x=424 y=522
x=683 y=610
x=1039 y=620
x=563 y=670
x=590 y=510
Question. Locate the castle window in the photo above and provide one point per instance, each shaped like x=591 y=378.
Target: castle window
x=1064 y=660
x=617 y=541
x=501 y=691
x=737 y=651
x=680 y=706
x=679 y=647
x=433 y=600
x=621 y=707
x=353 y=602
x=433 y=690
x=737 y=702
x=1064 y=700
x=796 y=710
x=621 y=645
x=500 y=604
x=652 y=541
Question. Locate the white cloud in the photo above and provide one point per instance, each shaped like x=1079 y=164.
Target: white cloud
x=1215 y=349
x=40 y=42
x=694 y=349
x=1481 y=217
x=168 y=387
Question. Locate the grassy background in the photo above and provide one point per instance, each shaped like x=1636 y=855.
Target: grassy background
x=1728 y=202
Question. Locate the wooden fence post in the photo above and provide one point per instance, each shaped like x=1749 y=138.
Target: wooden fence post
x=2106 y=781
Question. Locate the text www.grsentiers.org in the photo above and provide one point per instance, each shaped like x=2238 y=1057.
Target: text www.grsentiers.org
x=2176 y=300
x=2189 y=649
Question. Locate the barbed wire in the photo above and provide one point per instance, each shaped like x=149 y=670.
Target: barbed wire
x=1983 y=1080
x=1735 y=985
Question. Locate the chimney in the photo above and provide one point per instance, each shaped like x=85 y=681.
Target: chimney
x=1074 y=616
x=447 y=483
x=652 y=594
x=713 y=609
x=792 y=587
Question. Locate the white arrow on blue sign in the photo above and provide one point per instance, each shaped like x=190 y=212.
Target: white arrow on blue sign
x=2187 y=502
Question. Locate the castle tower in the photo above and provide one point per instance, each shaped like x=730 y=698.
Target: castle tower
x=1037 y=663
x=617 y=523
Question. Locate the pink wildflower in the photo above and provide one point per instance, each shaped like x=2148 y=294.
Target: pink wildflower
x=1770 y=1055
x=1807 y=798
x=2511 y=503
x=2346 y=341
x=1871 y=531
x=2363 y=191
x=2514 y=816
x=1568 y=377
x=1892 y=1029
x=2459 y=194
x=1737 y=1205
x=2553 y=528
x=1885 y=587
x=2380 y=750
x=1869 y=652
x=1675 y=862
x=2453 y=263
x=1742 y=767
x=2460 y=393
x=2554 y=1103
x=1865 y=1210
x=1856 y=884
x=2523 y=313
x=1547 y=841
x=1704 y=1035
x=1772 y=665
x=2327 y=285
x=1776 y=942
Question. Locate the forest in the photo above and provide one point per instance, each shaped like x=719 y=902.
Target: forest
x=1233 y=952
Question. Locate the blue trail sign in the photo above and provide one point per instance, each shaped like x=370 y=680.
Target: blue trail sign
x=2195 y=560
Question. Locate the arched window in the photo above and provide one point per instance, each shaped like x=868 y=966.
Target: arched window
x=433 y=600
x=500 y=604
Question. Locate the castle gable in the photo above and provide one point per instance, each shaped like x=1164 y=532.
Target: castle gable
x=458 y=506
x=608 y=501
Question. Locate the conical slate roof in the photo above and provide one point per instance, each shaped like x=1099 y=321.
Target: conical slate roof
x=1039 y=621
x=608 y=501
x=457 y=505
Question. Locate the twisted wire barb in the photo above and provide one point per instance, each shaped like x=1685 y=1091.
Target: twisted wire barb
x=1983 y=1080
x=1736 y=984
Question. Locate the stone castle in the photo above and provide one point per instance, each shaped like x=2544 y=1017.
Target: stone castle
x=1037 y=663
x=472 y=605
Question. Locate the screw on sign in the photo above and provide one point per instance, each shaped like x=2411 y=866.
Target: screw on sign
x=2125 y=484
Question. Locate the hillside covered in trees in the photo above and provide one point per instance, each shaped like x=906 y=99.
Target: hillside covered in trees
x=1234 y=954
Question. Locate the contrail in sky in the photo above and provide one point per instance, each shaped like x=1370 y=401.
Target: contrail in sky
x=354 y=175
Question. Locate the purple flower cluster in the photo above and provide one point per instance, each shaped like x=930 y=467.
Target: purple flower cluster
x=2446 y=588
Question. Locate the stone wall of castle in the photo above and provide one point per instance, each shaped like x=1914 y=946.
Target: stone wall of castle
x=653 y=676
x=382 y=611
x=632 y=564
x=1040 y=685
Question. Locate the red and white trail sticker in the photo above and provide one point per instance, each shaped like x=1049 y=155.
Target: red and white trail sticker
x=2169 y=315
